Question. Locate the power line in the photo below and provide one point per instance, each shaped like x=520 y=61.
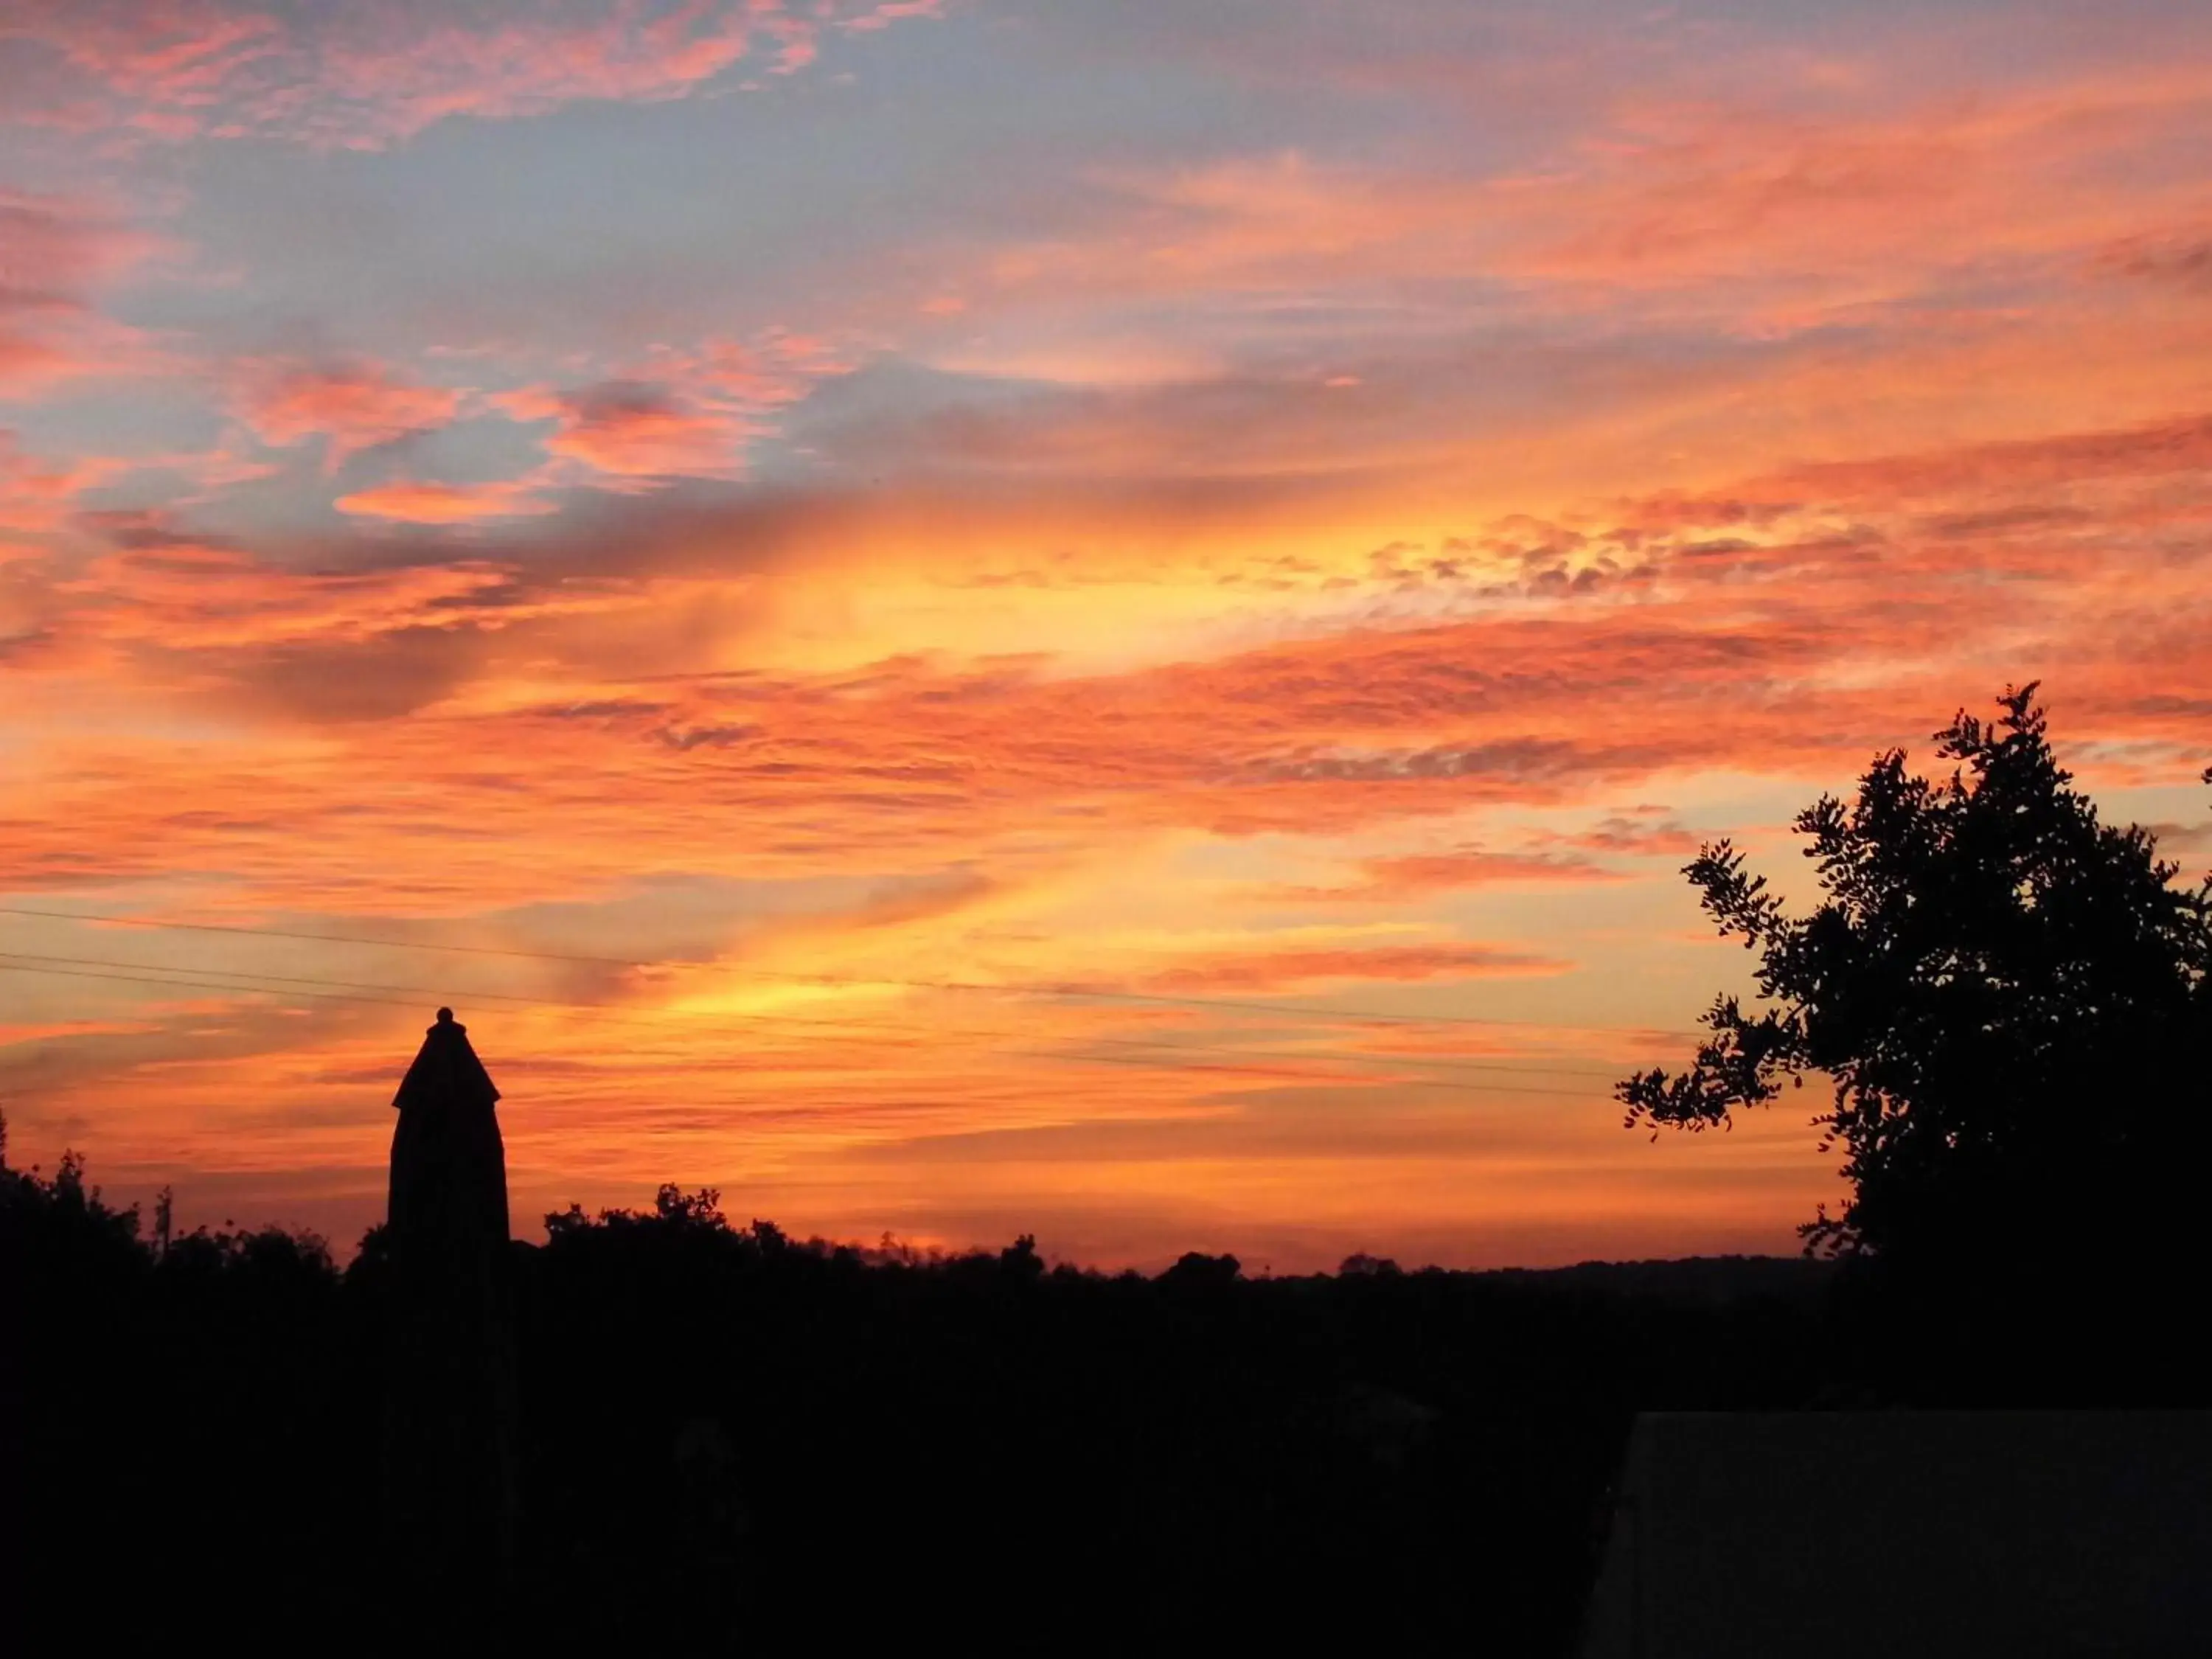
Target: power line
x=179 y=979
x=1306 y=1077
x=662 y=1021
x=327 y=939
x=1064 y=1059
x=201 y=985
x=1067 y=990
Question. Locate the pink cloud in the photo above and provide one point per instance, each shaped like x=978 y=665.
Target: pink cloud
x=53 y=250
x=2180 y=256
x=687 y=413
x=54 y=254
x=1745 y=202
x=36 y=495
x=355 y=406
x=2182 y=445
x=371 y=74
x=635 y=431
x=888 y=12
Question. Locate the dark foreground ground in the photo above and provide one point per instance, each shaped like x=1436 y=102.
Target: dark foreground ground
x=732 y=1441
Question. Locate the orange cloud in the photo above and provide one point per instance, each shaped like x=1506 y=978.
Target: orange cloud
x=1701 y=661
x=186 y=596
x=37 y=495
x=408 y=501
x=1409 y=876
x=1794 y=655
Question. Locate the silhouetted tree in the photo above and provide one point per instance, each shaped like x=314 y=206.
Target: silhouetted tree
x=2009 y=997
x=1360 y=1265
x=701 y=1209
x=1195 y=1268
x=60 y=1220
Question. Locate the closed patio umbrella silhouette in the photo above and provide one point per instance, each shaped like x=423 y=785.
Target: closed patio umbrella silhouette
x=449 y=1164
x=449 y=1465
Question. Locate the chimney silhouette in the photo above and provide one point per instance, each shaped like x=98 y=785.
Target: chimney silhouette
x=450 y=1485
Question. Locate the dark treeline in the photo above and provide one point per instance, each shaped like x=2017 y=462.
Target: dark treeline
x=735 y=1440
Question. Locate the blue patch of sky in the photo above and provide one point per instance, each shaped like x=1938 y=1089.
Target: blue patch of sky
x=606 y=226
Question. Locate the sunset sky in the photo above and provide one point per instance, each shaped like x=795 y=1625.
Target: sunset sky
x=1063 y=616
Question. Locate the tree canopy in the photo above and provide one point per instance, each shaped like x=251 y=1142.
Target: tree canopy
x=2009 y=996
